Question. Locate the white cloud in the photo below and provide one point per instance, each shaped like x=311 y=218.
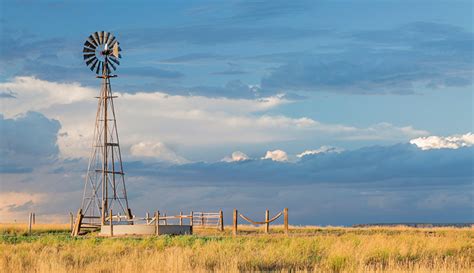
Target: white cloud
x=181 y=121
x=33 y=94
x=156 y=150
x=276 y=155
x=439 y=142
x=236 y=156
x=321 y=150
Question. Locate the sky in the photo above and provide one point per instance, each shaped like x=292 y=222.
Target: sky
x=345 y=112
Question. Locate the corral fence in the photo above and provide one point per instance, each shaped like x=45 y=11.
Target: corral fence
x=194 y=219
x=266 y=222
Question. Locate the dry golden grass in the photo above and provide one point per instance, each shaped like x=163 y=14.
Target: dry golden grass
x=307 y=249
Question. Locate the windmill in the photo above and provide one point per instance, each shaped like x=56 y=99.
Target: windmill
x=104 y=189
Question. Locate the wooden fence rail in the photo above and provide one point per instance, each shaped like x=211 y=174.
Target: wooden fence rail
x=266 y=222
x=195 y=219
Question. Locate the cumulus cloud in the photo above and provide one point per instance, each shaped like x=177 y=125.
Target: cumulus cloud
x=320 y=150
x=276 y=155
x=236 y=156
x=184 y=121
x=33 y=94
x=27 y=140
x=156 y=150
x=440 y=142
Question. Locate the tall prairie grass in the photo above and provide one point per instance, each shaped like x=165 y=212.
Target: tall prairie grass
x=307 y=249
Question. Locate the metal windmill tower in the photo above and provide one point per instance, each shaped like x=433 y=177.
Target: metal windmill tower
x=104 y=189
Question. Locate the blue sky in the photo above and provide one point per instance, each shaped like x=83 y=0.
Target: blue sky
x=379 y=95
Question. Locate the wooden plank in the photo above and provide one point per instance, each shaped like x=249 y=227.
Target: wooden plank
x=78 y=223
x=111 y=224
x=267 y=224
x=157 y=220
x=30 y=221
x=221 y=220
x=234 y=226
x=285 y=217
x=71 y=221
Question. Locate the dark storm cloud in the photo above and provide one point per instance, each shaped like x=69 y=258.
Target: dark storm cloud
x=214 y=34
x=151 y=72
x=375 y=184
x=385 y=61
x=261 y=10
x=401 y=165
x=193 y=58
x=27 y=141
x=18 y=45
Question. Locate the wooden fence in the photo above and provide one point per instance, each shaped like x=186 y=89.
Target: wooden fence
x=195 y=219
x=266 y=222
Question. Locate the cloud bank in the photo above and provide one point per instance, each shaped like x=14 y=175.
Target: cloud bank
x=185 y=121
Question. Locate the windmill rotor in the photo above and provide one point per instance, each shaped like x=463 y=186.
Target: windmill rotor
x=101 y=52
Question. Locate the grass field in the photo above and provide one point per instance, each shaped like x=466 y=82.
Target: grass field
x=307 y=249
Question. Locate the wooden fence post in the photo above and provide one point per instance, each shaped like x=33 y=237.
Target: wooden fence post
x=267 y=224
x=157 y=225
x=147 y=216
x=34 y=218
x=180 y=218
x=221 y=220
x=191 y=220
x=71 y=221
x=102 y=216
x=30 y=221
x=285 y=217
x=111 y=224
x=77 y=223
x=234 y=227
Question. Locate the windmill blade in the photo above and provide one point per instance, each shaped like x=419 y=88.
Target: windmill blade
x=106 y=38
x=117 y=62
x=101 y=37
x=87 y=56
x=86 y=49
x=108 y=68
x=111 y=40
x=112 y=65
x=96 y=38
x=89 y=44
x=94 y=64
x=92 y=41
x=98 y=68
x=90 y=61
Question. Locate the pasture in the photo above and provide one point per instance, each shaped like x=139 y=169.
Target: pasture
x=50 y=248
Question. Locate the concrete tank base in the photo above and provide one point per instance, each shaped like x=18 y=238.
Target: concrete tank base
x=123 y=230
